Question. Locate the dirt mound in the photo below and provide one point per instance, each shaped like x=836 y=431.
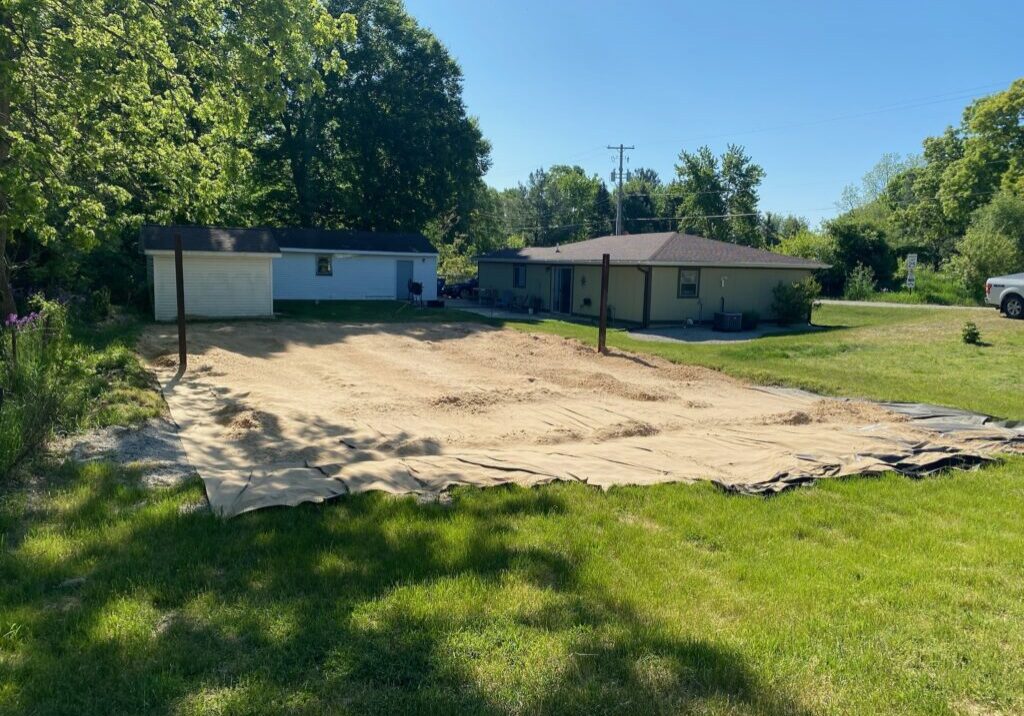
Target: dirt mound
x=790 y=417
x=608 y=384
x=630 y=429
x=475 y=401
x=853 y=411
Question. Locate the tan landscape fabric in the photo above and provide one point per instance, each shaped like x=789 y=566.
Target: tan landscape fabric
x=280 y=413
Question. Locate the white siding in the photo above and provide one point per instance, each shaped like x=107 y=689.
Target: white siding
x=425 y=271
x=354 y=277
x=216 y=286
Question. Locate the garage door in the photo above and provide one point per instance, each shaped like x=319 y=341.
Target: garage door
x=220 y=286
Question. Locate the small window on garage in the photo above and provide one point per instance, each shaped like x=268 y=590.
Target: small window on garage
x=519 y=276
x=689 y=283
x=324 y=265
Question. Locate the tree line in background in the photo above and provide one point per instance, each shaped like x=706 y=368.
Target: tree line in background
x=348 y=114
x=709 y=195
x=959 y=206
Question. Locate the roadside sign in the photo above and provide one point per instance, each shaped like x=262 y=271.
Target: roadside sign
x=911 y=270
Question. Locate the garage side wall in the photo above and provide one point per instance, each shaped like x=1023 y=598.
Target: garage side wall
x=352 y=277
x=745 y=289
x=216 y=286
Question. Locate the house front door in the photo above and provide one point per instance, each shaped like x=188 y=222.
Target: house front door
x=562 y=302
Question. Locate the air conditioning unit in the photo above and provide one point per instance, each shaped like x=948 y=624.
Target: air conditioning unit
x=729 y=322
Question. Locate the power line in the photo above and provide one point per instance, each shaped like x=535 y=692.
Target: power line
x=618 y=209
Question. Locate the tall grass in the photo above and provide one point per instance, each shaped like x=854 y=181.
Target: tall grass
x=37 y=374
x=59 y=375
x=935 y=287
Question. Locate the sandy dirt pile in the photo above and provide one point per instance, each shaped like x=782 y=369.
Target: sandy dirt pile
x=287 y=412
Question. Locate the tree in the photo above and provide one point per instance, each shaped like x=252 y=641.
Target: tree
x=559 y=205
x=993 y=153
x=994 y=243
x=699 y=194
x=874 y=183
x=715 y=199
x=114 y=115
x=740 y=178
x=860 y=243
x=820 y=247
x=932 y=203
x=642 y=195
x=387 y=146
x=917 y=218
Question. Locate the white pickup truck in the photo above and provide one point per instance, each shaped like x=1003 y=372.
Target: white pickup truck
x=1007 y=294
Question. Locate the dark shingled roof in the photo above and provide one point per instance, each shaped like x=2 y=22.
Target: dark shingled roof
x=265 y=240
x=661 y=248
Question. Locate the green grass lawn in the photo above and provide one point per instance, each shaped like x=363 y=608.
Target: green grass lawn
x=877 y=595
x=861 y=596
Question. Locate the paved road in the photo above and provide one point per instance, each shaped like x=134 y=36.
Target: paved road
x=884 y=304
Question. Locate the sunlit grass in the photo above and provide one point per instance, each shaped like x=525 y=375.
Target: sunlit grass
x=858 y=596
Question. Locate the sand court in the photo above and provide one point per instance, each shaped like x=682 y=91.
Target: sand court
x=280 y=413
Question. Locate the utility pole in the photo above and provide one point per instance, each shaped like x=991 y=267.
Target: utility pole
x=618 y=208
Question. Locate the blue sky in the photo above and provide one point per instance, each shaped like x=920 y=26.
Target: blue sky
x=816 y=92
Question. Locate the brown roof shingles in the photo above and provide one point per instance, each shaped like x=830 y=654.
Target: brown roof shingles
x=660 y=248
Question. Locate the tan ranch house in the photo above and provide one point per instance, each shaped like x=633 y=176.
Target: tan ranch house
x=654 y=278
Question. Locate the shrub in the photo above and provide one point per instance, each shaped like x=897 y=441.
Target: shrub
x=793 y=302
x=971 y=334
x=993 y=244
x=861 y=242
x=36 y=363
x=860 y=285
x=750 y=320
x=99 y=304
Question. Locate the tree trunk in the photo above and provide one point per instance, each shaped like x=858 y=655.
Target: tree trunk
x=7 y=305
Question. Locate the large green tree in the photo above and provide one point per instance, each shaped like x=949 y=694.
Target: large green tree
x=115 y=112
x=717 y=197
x=932 y=203
x=387 y=146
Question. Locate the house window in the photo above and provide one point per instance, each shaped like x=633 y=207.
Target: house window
x=519 y=276
x=689 y=283
x=324 y=266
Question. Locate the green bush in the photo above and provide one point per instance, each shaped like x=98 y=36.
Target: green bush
x=971 y=334
x=993 y=245
x=860 y=284
x=793 y=302
x=99 y=304
x=37 y=369
x=934 y=286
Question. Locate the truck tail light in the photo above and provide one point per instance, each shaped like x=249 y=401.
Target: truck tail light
x=988 y=288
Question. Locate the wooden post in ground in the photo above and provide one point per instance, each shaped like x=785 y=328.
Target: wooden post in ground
x=602 y=330
x=179 y=283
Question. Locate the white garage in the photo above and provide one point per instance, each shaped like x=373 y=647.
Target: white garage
x=236 y=273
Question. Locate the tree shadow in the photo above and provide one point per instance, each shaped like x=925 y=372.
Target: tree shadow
x=367 y=605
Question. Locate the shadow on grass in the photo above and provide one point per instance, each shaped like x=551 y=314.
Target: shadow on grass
x=367 y=605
